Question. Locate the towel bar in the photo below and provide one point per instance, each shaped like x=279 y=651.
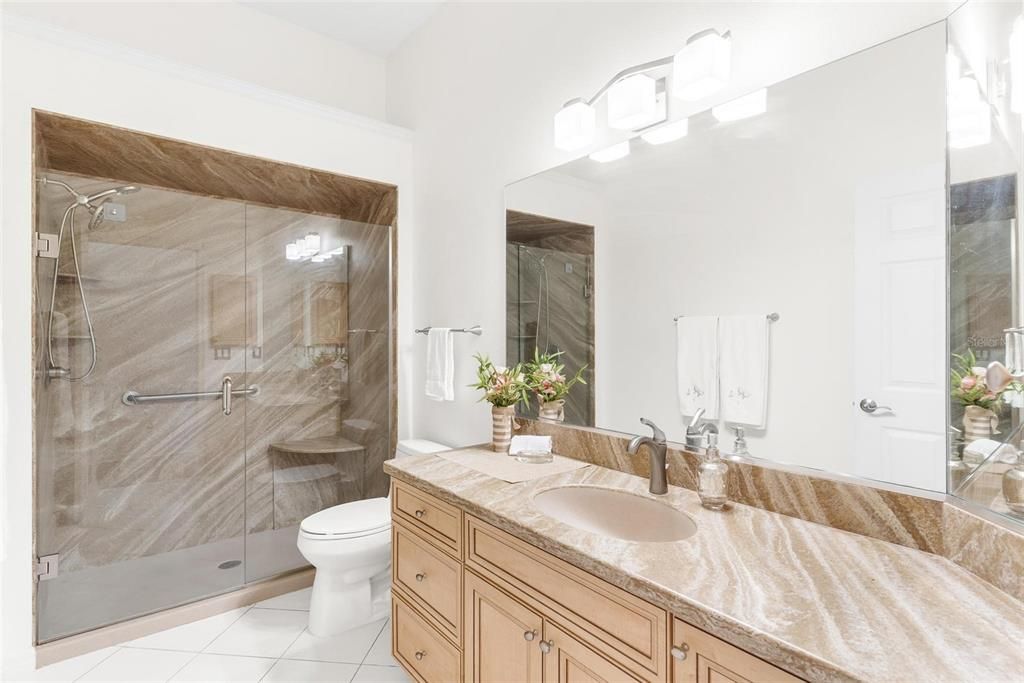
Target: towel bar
x=772 y=318
x=475 y=329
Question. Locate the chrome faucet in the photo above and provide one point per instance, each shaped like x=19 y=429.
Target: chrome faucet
x=697 y=431
x=658 y=450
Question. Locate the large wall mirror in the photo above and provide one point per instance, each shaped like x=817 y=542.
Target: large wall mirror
x=824 y=282
x=785 y=273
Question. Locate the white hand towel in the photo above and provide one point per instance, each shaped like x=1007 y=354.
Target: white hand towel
x=440 y=364
x=1014 y=362
x=744 y=354
x=697 y=365
x=540 y=444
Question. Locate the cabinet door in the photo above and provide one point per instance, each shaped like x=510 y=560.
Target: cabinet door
x=568 y=660
x=698 y=657
x=502 y=636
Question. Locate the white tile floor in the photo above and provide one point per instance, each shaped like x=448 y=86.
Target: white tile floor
x=266 y=642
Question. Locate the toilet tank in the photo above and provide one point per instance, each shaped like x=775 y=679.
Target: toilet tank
x=418 y=447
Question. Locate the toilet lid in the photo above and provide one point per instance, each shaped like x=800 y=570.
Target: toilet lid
x=359 y=518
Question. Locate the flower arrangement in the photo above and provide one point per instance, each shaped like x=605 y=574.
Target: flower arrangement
x=546 y=377
x=503 y=387
x=968 y=384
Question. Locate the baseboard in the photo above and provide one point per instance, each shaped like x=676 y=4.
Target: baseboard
x=72 y=646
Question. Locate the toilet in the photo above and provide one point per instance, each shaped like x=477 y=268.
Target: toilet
x=350 y=547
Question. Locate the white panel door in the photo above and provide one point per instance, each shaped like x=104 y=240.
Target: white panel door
x=900 y=329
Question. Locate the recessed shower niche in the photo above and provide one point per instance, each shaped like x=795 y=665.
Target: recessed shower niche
x=213 y=361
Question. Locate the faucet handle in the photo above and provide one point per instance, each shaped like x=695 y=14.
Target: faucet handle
x=696 y=419
x=658 y=434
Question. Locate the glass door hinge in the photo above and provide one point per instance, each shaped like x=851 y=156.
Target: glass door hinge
x=46 y=245
x=47 y=567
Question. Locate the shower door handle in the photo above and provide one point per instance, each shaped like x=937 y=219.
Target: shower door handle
x=225 y=395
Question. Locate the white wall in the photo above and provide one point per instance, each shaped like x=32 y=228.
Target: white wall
x=226 y=38
x=480 y=83
x=166 y=99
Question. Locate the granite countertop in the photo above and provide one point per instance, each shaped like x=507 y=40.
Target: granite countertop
x=824 y=604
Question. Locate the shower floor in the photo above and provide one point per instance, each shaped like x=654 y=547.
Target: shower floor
x=87 y=599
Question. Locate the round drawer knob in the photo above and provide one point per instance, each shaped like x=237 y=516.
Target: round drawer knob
x=680 y=652
x=420 y=655
x=529 y=635
x=420 y=513
x=421 y=576
x=546 y=645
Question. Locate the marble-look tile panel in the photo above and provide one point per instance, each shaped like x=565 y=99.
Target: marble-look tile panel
x=821 y=603
x=901 y=518
x=989 y=550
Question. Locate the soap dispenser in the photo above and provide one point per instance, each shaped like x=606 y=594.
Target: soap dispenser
x=712 y=476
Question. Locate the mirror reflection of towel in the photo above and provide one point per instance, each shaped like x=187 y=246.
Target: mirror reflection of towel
x=744 y=369
x=697 y=365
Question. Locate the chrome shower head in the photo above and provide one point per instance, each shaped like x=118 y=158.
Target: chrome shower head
x=124 y=189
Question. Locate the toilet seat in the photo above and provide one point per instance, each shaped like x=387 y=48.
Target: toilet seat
x=350 y=520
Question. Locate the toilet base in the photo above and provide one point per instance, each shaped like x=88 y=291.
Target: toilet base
x=337 y=606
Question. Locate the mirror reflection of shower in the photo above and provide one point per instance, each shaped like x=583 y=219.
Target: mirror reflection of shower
x=543 y=306
x=96 y=205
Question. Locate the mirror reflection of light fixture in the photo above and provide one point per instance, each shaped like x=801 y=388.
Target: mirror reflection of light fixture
x=311 y=243
x=292 y=251
x=703 y=66
x=743 y=107
x=969 y=117
x=575 y=125
x=612 y=153
x=1017 y=66
x=632 y=102
x=667 y=133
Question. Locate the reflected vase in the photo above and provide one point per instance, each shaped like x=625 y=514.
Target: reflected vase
x=979 y=423
x=1013 y=487
x=552 y=411
x=501 y=427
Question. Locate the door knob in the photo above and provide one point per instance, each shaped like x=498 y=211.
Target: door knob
x=680 y=652
x=869 y=405
x=529 y=635
x=420 y=655
x=421 y=576
x=546 y=645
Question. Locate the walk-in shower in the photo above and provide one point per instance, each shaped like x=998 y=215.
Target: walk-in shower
x=198 y=391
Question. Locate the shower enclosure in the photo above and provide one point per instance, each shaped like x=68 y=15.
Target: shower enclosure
x=550 y=303
x=242 y=381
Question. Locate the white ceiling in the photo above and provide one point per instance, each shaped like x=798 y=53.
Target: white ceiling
x=377 y=27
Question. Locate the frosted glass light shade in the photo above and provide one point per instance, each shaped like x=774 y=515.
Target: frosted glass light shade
x=574 y=126
x=743 y=107
x=1017 y=66
x=702 y=67
x=612 y=153
x=969 y=117
x=632 y=103
x=311 y=243
x=292 y=251
x=667 y=133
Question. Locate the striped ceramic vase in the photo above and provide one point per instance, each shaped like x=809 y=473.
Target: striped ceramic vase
x=501 y=427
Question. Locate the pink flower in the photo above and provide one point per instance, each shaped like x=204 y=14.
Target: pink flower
x=968 y=383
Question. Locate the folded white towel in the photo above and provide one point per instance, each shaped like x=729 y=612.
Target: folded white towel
x=697 y=365
x=980 y=449
x=744 y=368
x=440 y=364
x=540 y=444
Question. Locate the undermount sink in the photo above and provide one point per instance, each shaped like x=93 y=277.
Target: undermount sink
x=615 y=513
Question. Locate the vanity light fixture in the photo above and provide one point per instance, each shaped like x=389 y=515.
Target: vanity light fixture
x=575 y=125
x=292 y=251
x=632 y=102
x=1017 y=66
x=637 y=100
x=612 y=153
x=667 y=133
x=703 y=66
x=743 y=107
x=311 y=244
x=969 y=117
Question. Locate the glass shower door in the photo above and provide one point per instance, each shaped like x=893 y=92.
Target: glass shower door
x=140 y=502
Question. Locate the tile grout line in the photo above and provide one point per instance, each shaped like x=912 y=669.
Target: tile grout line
x=362 y=663
x=86 y=672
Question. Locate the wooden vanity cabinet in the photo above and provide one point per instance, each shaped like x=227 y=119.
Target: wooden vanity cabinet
x=483 y=606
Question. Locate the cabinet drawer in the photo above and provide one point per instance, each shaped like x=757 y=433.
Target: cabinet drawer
x=429 y=576
x=439 y=520
x=622 y=626
x=699 y=657
x=422 y=650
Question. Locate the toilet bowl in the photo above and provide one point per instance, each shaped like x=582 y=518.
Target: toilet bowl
x=350 y=547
